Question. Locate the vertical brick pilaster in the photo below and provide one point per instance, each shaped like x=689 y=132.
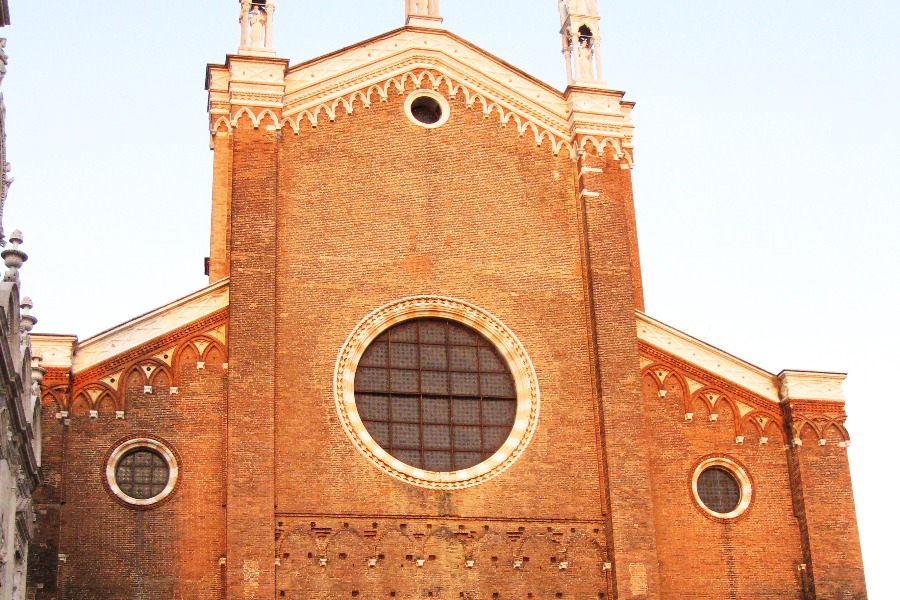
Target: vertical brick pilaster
x=44 y=567
x=250 y=568
x=627 y=198
x=220 y=231
x=605 y=191
x=823 y=495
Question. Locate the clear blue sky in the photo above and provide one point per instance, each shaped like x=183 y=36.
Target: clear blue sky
x=767 y=148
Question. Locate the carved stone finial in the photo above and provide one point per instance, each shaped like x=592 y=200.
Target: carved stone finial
x=26 y=319
x=256 y=27
x=423 y=13
x=13 y=257
x=4 y=59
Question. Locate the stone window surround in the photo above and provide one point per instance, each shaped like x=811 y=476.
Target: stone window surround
x=503 y=339
x=738 y=472
x=123 y=449
x=442 y=102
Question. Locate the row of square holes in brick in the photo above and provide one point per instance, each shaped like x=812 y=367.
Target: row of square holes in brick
x=420 y=562
x=355 y=594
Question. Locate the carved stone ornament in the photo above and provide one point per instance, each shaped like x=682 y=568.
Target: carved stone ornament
x=256 y=27
x=422 y=8
x=506 y=343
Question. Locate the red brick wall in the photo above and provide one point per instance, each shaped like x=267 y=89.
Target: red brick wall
x=116 y=551
x=252 y=378
x=373 y=208
x=753 y=556
x=611 y=283
x=43 y=552
x=331 y=223
x=835 y=566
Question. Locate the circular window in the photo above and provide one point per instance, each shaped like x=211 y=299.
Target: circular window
x=427 y=109
x=142 y=472
x=721 y=488
x=436 y=392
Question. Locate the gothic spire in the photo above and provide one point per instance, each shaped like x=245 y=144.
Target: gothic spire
x=257 y=18
x=580 y=30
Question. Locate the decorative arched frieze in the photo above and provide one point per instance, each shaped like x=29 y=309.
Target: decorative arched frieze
x=703 y=397
x=348 y=544
x=697 y=379
x=816 y=429
x=765 y=424
x=599 y=147
x=155 y=371
x=91 y=395
x=222 y=125
x=256 y=118
x=300 y=538
x=413 y=80
x=58 y=395
x=80 y=405
x=590 y=146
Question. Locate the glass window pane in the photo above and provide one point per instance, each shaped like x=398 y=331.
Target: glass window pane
x=466 y=412
x=404 y=356
x=406 y=436
x=434 y=357
x=436 y=410
x=410 y=457
x=371 y=380
x=404 y=382
x=380 y=432
x=494 y=437
x=463 y=336
x=142 y=474
x=375 y=356
x=432 y=332
x=433 y=393
x=491 y=361
x=497 y=385
x=464 y=460
x=405 y=332
x=436 y=437
x=405 y=409
x=499 y=412
x=435 y=382
x=464 y=384
x=719 y=490
x=373 y=407
x=439 y=461
x=463 y=358
x=467 y=439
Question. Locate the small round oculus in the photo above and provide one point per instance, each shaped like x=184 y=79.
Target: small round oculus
x=721 y=488
x=142 y=472
x=427 y=109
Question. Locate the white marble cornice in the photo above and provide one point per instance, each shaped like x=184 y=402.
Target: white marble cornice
x=55 y=351
x=146 y=327
x=807 y=385
x=707 y=357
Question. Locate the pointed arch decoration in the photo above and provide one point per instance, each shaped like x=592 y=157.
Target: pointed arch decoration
x=414 y=79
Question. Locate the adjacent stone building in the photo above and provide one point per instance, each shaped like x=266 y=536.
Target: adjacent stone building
x=422 y=369
x=20 y=408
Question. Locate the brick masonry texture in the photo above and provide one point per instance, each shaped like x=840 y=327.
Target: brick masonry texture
x=320 y=228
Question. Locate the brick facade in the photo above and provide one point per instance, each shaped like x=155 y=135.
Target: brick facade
x=322 y=215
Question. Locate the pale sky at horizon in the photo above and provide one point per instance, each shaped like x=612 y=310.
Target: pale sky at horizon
x=767 y=182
